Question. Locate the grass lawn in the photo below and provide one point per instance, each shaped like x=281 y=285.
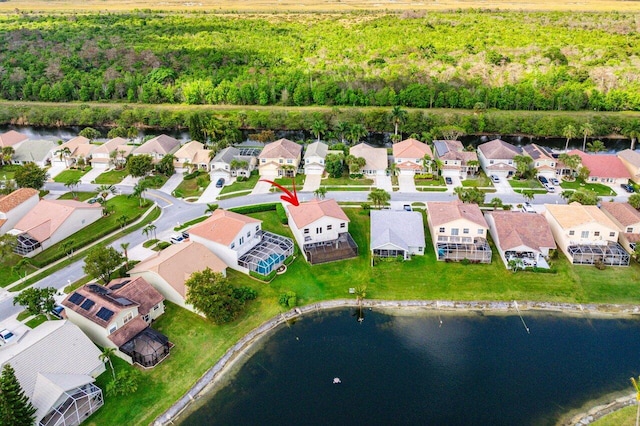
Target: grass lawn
x=242 y=186
x=623 y=417
x=599 y=188
x=70 y=175
x=431 y=188
x=111 y=177
x=430 y=182
x=345 y=180
x=155 y=181
x=7 y=274
x=80 y=196
x=525 y=184
x=478 y=181
x=287 y=181
x=36 y=321
x=8 y=172
x=191 y=187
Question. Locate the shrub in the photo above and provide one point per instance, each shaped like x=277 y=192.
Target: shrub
x=424 y=176
x=288 y=299
x=255 y=208
x=241 y=179
x=599 y=264
x=192 y=175
x=365 y=206
x=244 y=293
x=355 y=175
x=282 y=215
x=265 y=278
x=163 y=245
x=465 y=261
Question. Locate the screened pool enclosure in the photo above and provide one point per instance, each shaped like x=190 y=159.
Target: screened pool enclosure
x=268 y=254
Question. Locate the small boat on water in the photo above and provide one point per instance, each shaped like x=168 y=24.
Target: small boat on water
x=336 y=380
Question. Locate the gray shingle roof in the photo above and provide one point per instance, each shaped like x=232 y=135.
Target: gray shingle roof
x=34 y=150
x=316 y=149
x=400 y=228
x=226 y=155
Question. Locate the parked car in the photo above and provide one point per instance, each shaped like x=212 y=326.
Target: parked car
x=176 y=239
x=627 y=187
x=57 y=311
x=185 y=234
x=407 y=207
x=549 y=187
x=495 y=178
x=6 y=336
x=95 y=200
x=448 y=180
x=220 y=183
x=555 y=181
x=528 y=208
x=543 y=180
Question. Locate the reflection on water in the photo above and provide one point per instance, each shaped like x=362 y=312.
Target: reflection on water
x=467 y=370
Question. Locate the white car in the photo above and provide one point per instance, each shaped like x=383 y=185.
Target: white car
x=528 y=208
x=495 y=179
x=177 y=239
x=555 y=181
x=549 y=187
x=6 y=336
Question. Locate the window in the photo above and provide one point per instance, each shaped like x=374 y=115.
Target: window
x=490 y=161
x=281 y=161
x=596 y=233
x=480 y=231
x=289 y=161
x=248 y=234
x=329 y=227
x=630 y=229
x=584 y=234
x=146 y=318
x=128 y=317
x=264 y=160
x=233 y=245
x=319 y=230
x=465 y=231
x=612 y=234
x=572 y=232
x=306 y=231
x=343 y=225
x=455 y=231
x=155 y=308
x=537 y=164
x=441 y=229
x=241 y=241
x=113 y=329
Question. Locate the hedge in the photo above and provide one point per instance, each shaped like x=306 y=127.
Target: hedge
x=255 y=209
x=282 y=215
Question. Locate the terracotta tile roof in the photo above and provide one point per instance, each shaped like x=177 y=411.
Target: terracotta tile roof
x=575 y=214
x=602 y=165
x=515 y=229
x=162 y=144
x=11 y=138
x=128 y=331
x=110 y=146
x=499 y=150
x=48 y=215
x=501 y=166
x=101 y=299
x=376 y=158
x=441 y=212
x=222 y=227
x=631 y=157
x=17 y=197
x=307 y=213
x=176 y=263
x=409 y=165
x=137 y=290
x=411 y=148
x=624 y=213
x=282 y=148
x=632 y=238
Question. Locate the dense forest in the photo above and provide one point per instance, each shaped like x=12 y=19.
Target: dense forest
x=504 y=60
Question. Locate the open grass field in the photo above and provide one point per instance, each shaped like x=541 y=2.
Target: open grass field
x=313 y=6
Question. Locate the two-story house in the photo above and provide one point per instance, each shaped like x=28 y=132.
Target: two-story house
x=314 y=156
x=15 y=205
x=321 y=229
x=114 y=152
x=458 y=231
x=585 y=234
x=627 y=219
x=232 y=162
x=158 y=147
x=543 y=160
x=376 y=159
x=240 y=242
x=280 y=158
x=454 y=160
x=118 y=316
x=412 y=156
x=496 y=158
x=192 y=155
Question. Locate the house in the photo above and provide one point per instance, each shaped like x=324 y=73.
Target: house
x=15 y=205
x=169 y=269
x=458 y=231
x=585 y=234
x=280 y=158
x=34 y=151
x=631 y=160
x=314 y=157
x=496 y=158
x=66 y=154
x=56 y=365
x=118 y=316
x=521 y=237
x=396 y=233
x=233 y=161
x=158 y=147
x=12 y=139
x=241 y=243
x=627 y=219
x=321 y=229
x=113 y=152
x=603 y=168
x=51 y=221
x=409 y=157
x=192 y=154
x=455 y=161
x=543 y=160
x=376 y=159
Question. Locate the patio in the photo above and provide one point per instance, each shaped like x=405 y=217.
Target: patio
x=329 y=251
x=147 y=348
x=268 y=254
x=477 y=251
x=588 y=254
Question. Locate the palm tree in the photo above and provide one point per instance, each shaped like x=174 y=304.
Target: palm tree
x=355 y=163
x=360 y=292
x=528 y=195
x=122 y=220
x=426 y=162
x=571 y=161
x=636 y=387
x=398 y=116
x=7 y=154
x=587 y=130
x=379 y=197
x=152 y=228
x=357 y=132
x=106 y=355
x=523 y=164
x=595 y=146
x=72 y=184
x=138 y=191
x=124 y=247
x=474 y=164
x=569 y=131
x=105 y=190
x=320 y=193
x=342 y=128
x=318 y=128
x=632 y=131
x=210 y=208
x=64 y=153
x=146 y=232
x=495 y=202
x=67 y=247
x=22 y=264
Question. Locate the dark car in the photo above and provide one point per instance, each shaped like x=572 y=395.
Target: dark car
x=220 y=183
x=627 y=187
x=57 y=311
x=543 y=179
x=448 y=181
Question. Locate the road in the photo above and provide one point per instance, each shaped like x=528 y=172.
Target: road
x=175 y=211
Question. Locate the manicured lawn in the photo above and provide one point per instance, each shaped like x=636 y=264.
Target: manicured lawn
x=8 y=172
x=36 y=321
x=155 y=181
x=7 y=274
x=345 y=180
x=70 y=175
x=478 y=181
x=241 y=186
x=525 y=184
x=111 y=177
x=80 y=196
x=191 y=187
x=599 y=188
x=623 y=417
x=287 y=182
x=430 y=182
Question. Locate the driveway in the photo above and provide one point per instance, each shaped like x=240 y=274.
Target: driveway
x=210 y=195
x=55 y=171
x=172 y=183
x=91 y=175
x=406 y=183
x=455 y=182
x=503 y=187
x=261 y=187
x=384 y=182
x=311 y=183
x=130 y=181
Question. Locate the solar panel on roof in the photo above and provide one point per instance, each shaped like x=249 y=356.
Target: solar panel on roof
x=76 y=298
x=98 y=289
x=124 y=301
x=104 y=314
x=87 y=304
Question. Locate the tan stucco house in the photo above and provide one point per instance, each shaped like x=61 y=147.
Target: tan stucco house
x=409 y=157
x=280 y=158
x=376 y=159
x=627 y=219
x=455 y=161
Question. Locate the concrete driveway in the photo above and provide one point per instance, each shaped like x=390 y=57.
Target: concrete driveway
x=311 y=183
x=172 y=183
x=384 y=182
x=503 y=187
x=210 y=194
x=406 y=183
x=261 y=187
x=91 y=175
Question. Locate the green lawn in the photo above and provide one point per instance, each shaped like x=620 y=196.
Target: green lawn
x=345 y=180
x=191 y=187
x=8 y=172
x=242 y=186
x=623 y=417
x=70 y=175
x=288 y=182
x=525 y=184
x=599 y=188
x=111 y=177
x=154 y=182
x=480 y=180
x=199 y=343
x=7 y=274
x=430 y=182
x=36 y=321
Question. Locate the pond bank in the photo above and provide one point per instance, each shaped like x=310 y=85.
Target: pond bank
x=216 y=372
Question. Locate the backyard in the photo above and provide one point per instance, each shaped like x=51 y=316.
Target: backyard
x=8 y=171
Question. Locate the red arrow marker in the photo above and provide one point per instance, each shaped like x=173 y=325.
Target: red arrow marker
x=289 y=197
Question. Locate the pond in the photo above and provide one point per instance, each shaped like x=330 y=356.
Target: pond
x=440 y=369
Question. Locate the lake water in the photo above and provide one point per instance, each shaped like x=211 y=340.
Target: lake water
x=399 y=370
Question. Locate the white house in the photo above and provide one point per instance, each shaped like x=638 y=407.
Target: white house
x=321 y=229
x=409 y=156
x=376 y=159
x=51 y=221
x=543 y=161
x=56 y=365
x=15 y=205
x=112 y=152
x=158 y=147
x=496 y=158
x=67 y=153
x=397 y=233
x=314 y=157
x=245 y=159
